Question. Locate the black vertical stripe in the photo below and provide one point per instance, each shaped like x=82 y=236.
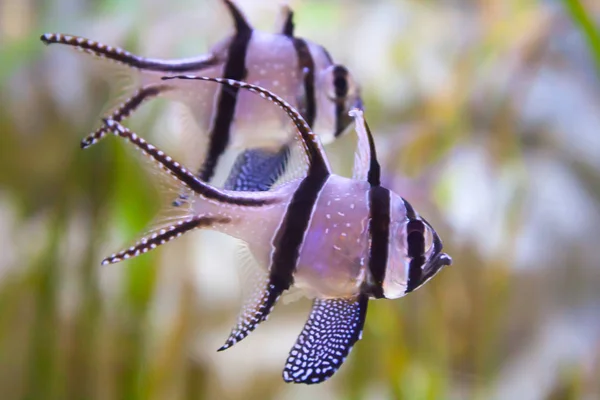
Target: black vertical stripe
x=235 y=68
x=415 y=239
x=241 y=25
x=307 y=69
x=290 y=233
x=379 y=233
x=288 y=26
x=340 y=86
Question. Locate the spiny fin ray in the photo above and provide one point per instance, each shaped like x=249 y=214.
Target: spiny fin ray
x=162 y=236
x=125 y=109
x=310 y=141
x=256 y=310
x=181 y=173
x=126 y=58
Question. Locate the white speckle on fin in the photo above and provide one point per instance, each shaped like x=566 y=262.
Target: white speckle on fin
x=332 y=328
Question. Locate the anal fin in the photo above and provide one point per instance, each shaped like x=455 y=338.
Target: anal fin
x=332 y=328
x=254 y=313
x=260 y=292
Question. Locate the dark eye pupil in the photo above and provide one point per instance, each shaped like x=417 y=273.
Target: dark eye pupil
x=340 y=81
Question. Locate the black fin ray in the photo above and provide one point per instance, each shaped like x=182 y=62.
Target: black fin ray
x=128 y=59
x=125 y=109
x=163 y=235
x=332 y=328
x=256 y=311
x=182 y=174
x=310 y=141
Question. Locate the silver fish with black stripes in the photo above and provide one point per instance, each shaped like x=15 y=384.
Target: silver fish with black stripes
x=300 y=71
x=342 y=241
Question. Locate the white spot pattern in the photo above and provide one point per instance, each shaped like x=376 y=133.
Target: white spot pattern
x=334 y=325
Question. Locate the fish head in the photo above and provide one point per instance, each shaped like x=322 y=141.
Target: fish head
x=415 y=251
x=336 y=93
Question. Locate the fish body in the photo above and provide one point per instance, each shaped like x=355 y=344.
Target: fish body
x=341 y=240
x=300 y=71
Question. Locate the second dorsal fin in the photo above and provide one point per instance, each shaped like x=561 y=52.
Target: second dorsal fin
x=366 y=166
x=239 y=20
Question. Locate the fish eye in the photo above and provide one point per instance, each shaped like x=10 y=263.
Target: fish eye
x=418 y=230
x=428 y=236
x=339 y=83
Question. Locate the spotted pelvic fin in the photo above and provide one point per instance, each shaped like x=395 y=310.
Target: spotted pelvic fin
x=332 y=328
x=258 y=170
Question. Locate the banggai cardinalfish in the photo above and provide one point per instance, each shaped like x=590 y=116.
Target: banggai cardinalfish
x=300 y=71
x=342 y=241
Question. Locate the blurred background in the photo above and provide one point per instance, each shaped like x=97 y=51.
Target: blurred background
x=487 y=119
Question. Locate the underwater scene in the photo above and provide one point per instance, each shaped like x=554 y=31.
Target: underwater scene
x=303 y=167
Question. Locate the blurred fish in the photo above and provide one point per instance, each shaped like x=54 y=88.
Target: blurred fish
x=340 y=240
x=300 y=71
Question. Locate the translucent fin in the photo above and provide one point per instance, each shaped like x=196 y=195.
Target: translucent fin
x=366 y=166
x=133 y=79
x=123 y=111
x=183 y=175
x=260 y=295
x=297 y=164
x=310 y=142
x=293 y=294
x=334 y=325
x=162 y=236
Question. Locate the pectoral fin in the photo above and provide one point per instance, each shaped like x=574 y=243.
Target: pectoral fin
x=334 y=325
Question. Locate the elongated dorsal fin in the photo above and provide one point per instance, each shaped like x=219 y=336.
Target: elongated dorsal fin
x=366 y=166
x=239 y=20
x=310 y=141
x=285 y=21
